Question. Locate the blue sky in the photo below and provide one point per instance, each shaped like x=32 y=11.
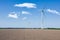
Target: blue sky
x=27 y=13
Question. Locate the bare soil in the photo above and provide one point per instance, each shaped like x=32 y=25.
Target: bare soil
x=29 y=34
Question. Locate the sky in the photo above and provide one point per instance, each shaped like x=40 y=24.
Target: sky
x=27 y=13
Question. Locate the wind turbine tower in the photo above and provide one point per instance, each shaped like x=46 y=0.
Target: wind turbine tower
x=42 y=18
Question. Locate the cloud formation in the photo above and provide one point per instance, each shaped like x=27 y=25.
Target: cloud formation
x=13 y=15
x=24 y=18
x=53 y=11
x=27 y=5
x=25 y=12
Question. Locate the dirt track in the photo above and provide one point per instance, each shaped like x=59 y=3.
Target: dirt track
x=29 y=34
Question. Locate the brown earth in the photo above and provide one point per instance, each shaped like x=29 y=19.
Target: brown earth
x=29 y=34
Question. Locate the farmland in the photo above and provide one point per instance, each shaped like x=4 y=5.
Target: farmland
x=29 y=34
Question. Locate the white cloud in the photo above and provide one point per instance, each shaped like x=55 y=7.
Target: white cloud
x=27 y=5
x=25 y=12
x=13 y=15
x=53 y=11
x=24 y=18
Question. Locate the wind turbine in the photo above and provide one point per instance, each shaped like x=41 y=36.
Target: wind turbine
x=43 y=15
x=42 y=18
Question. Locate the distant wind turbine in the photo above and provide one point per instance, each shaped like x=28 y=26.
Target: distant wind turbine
x=42 y=18
x=43 y=15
